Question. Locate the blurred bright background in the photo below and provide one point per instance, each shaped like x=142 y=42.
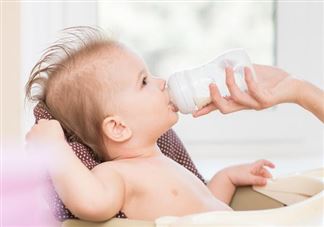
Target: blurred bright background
x=175 y=35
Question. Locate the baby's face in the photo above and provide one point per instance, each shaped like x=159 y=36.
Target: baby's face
x=142 y=99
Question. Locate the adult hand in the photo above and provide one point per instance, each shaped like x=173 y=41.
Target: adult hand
x=273 y=86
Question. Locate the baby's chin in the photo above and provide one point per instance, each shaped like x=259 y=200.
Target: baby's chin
x=175 y=120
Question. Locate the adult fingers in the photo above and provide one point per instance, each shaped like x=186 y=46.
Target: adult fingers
x=262 y=96
x=236 y=94
x=224 y=105
x=205 y=110
x=216 y=100
x=251 y=84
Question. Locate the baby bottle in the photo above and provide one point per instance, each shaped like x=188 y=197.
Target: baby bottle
x=189 y=89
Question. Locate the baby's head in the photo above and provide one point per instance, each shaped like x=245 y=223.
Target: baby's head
x=101 y=91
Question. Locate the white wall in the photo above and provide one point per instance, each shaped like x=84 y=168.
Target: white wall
x=40 y=25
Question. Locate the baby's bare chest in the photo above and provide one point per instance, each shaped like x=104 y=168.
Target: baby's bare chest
x=161 y=187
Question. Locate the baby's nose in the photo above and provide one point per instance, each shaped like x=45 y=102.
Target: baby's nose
x=163 y=85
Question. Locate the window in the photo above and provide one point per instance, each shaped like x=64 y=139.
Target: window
x=173 y=36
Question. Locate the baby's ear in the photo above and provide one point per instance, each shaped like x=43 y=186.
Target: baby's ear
x=115 y=129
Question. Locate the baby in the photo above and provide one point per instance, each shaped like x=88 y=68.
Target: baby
x=103 y=92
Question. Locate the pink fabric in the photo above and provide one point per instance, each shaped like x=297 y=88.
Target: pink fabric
x=169 y=143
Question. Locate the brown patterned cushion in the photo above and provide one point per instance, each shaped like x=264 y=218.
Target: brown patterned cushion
x=169 y=143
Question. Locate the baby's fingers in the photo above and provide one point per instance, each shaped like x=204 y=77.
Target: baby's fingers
x=259 y=169
x=264 y=162
x=257 y=180
x=265 y=173
x=268 y=163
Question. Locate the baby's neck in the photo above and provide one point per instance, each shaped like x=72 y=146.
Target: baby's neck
x=122 y=152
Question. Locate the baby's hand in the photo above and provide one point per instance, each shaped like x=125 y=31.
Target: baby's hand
x=250 y=174
x=44 y=135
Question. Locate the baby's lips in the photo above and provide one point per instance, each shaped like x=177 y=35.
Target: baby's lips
x=174 y=107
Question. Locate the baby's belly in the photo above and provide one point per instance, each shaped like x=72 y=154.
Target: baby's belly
x=173 y=199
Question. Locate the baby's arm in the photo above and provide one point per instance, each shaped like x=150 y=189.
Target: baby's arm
x=222 y=187
x=95 y=195
x=224 y=183
x=85 y=193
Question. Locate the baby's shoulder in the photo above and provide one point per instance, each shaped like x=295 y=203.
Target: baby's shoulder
x=107 y=170
x=104 y=166
x=116 y=166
